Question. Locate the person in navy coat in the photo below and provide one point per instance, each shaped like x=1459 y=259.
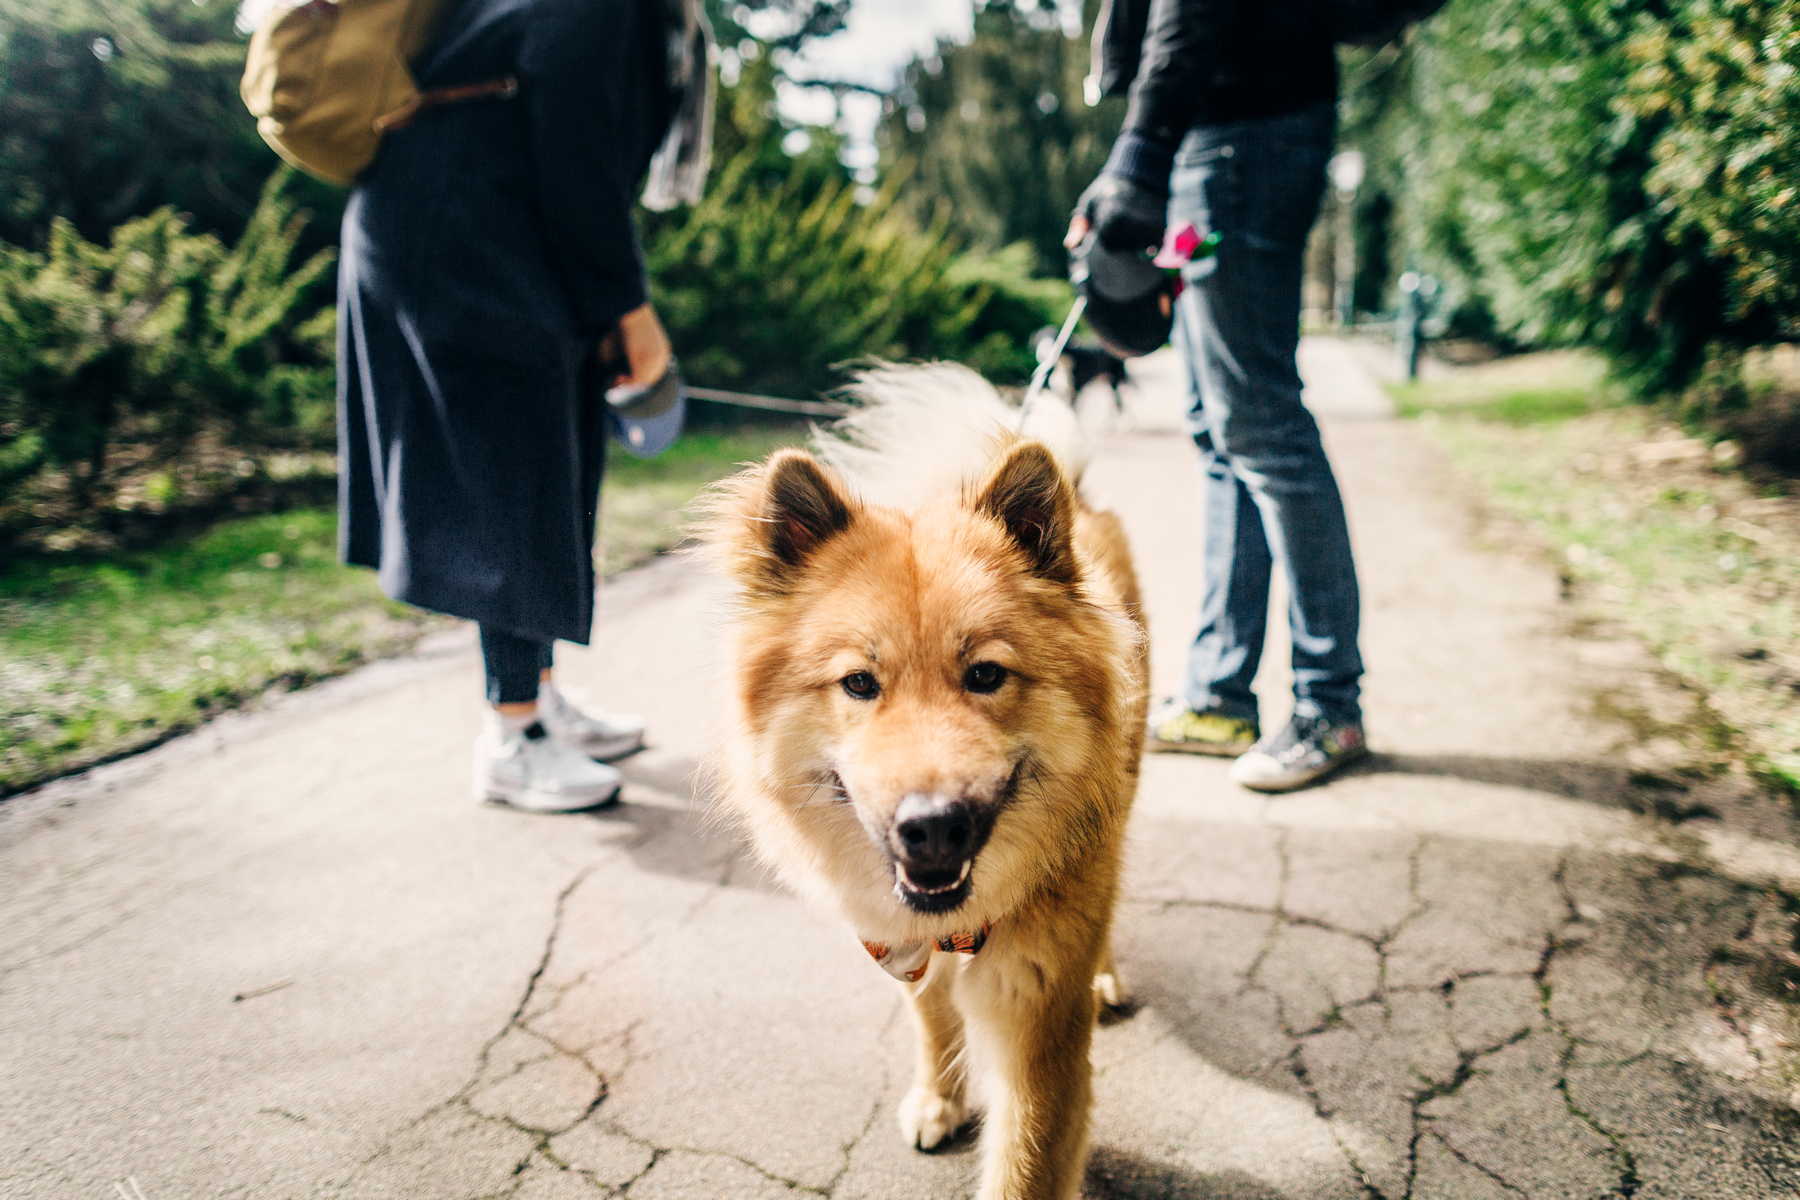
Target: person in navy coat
x=488 y=253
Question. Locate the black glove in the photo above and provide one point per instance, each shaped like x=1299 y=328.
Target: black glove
x=1128 y=205
x=1124 y=214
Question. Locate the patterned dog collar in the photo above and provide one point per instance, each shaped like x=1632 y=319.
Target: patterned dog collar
x=908 y=960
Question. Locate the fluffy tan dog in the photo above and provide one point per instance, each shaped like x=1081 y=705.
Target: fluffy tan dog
x=938 y=713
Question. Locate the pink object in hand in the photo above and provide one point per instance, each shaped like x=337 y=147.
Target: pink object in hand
x=1179 y=244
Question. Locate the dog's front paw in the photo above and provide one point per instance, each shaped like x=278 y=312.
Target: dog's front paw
x=1110 y=992
x=927 y=1119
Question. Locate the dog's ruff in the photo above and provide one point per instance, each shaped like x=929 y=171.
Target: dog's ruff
x=938 y=710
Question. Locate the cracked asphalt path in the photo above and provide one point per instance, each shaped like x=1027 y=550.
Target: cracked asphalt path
x=286 y=957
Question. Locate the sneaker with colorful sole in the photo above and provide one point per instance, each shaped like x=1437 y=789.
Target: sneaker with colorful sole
x=1176 y=728
x=1307 y=749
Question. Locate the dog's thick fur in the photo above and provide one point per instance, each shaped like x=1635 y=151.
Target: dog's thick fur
x=931 y=538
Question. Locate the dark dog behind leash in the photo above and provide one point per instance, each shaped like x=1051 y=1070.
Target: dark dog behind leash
x=1082 y=365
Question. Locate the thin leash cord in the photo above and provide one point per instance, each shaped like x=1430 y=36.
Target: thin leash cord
x=1041 y=376
x=804 y=408
x=818 y=408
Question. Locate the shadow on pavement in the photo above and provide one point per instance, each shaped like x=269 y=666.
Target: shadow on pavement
x=667 y=827
x=1603 y=784
x=1115 y=1174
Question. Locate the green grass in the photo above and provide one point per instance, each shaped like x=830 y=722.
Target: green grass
x=1667 y=546
x=99 y=657
x=642 y=510
x=1517 y=407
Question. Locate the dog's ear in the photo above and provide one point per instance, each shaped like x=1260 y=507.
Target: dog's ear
x=802 y=507
x=1030 y=496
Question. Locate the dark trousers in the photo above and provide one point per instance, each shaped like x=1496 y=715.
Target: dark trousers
x=513 y=664
x=1270 y=493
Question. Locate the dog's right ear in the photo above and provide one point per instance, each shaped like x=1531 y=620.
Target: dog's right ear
x=802 y=507
x=763 y=523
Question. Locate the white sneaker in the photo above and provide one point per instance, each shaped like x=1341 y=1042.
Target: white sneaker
x=531 y=770
x=598 y=735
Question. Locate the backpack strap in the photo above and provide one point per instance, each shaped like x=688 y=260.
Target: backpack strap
x=504 y=88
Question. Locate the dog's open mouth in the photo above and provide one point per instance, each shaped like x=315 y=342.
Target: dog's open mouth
x=935 y=891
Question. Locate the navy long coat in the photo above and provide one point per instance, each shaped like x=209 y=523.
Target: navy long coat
x=485 y=252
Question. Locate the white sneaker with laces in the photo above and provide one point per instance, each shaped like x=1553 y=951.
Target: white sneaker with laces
x=599 y=735
x=531 y=770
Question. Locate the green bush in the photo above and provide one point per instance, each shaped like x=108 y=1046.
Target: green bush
x=1726 y=76
x=764 y=289
x=110 y=109
x=1610 y=173
x=151 y=340
x=1018 y=304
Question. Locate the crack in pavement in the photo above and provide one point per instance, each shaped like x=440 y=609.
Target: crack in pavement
x=1568 y=926
x=1624 y=1161
x=518 y=1022
x=1468 y=1059
x=660 y=1152
x=477 y=1079
x=1437 y=1135
x=524 y=1018
x=887 y=1078
x=1284 y=872
x=1439 y=1088
x=539 y=998
x=1164 y=904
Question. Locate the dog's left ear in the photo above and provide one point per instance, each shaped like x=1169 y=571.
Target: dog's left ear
x=1030 y=496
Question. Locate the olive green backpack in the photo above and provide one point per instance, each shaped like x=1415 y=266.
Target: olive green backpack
x=326 y=78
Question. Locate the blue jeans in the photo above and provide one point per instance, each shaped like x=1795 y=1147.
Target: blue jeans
x=1270 y=493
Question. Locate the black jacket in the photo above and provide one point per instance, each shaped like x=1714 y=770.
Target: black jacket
x=1200 y=62
x=485 y=251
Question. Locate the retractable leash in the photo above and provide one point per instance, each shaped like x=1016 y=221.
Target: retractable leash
x=1047 y=362
x=1124 y=290
x=647 y=419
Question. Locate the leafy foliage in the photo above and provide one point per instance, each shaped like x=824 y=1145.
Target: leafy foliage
x=153 y=338
x=1615 y=173
x=996 y=131
x=747 y=125
x=148 y=332
x=1726 y=75
x=110 y=109
x=763 y=288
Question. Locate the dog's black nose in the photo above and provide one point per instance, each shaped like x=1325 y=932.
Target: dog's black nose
x=932 y=833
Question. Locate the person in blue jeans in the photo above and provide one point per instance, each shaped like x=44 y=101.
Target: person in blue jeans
x=1230 y=124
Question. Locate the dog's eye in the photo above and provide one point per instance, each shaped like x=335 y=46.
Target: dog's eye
x=861 y=685
x=984 y=677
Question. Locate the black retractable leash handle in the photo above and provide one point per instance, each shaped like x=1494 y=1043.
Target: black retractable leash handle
x=1128 y=297
x=1131 y=292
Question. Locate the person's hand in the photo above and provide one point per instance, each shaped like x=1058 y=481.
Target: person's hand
x=640 y=345
x=1125 y=214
